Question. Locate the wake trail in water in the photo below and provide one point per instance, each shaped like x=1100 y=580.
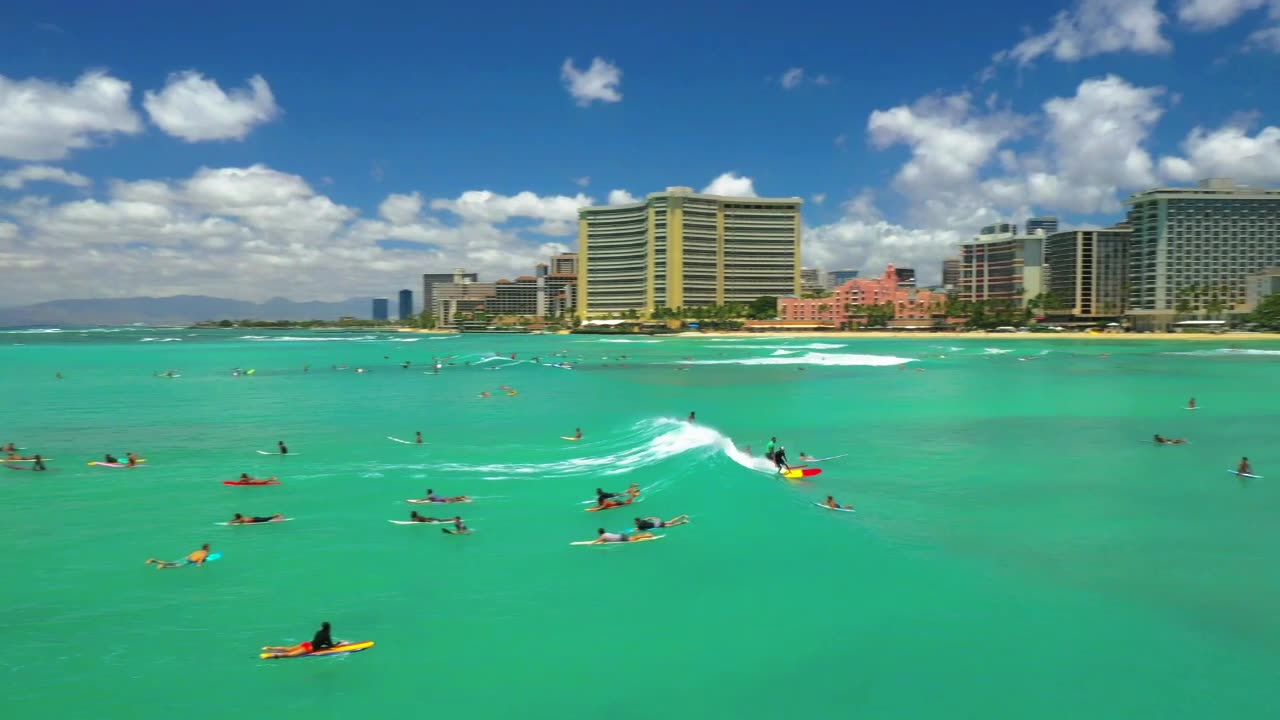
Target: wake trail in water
x=651 y=442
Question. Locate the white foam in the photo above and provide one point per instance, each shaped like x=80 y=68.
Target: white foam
x=812 y=358
x=1219 y=352
x=626 y=340
x=996 y=351
x=811 y=346
x=160 y=340
x=785 y=352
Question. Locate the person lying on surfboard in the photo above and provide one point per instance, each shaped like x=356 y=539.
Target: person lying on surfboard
x=9 y=448
x=831 y=503
x=1170 y=441
x=651 y=523
x=1244 y=468
x=111 y=459
x=609 y=504
x=242 y=520
x=608 y=537
x=602 y=496
x=433 y=497
x=322 y=640
x=196 y=558
x=806 y=458
x=16 y=456
x=415 y=517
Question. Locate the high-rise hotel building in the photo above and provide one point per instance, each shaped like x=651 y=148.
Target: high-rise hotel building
x=679 y=248
x=1193 y=245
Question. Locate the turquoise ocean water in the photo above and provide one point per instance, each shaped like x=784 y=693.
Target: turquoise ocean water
x=1018 y=550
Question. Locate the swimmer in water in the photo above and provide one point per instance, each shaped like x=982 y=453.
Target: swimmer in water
x=692 y=417
x=196 y=558
x=1170 y=441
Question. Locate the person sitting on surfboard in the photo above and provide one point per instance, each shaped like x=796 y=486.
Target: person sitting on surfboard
x=283 y=450
x=831 y=503
x=577 y=434
x=1191 y=404
x=242 y=520
x=322 y=640
x=196 y=558
x=459 y=527
x=651 y=523
x=433 y=497
x=1170 y=441
x=39 y=464
x=417 y=437
x=415 y=517
x=1245 y=468
x=608 y=537
x=132 y=459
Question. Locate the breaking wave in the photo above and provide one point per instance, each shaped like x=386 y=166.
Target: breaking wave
x=812 y=358
x=1227 y=352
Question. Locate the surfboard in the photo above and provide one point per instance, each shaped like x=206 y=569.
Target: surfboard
x=611 y=544
x=31 y=468
x=1248 y=475
x=113 y=465
x=597 y=508
x=833 y=457
x=31 y=460
x=1194 y=408
x=264 y=452
x=570 y=439
x=211 y=558
x=340 y=649
x=242 y=483
x=797 y=473
x=825 y=506
x=424 y=501
x=405 y=442
x=258 y=523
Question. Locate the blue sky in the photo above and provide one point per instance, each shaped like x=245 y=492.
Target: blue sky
x=359 y=161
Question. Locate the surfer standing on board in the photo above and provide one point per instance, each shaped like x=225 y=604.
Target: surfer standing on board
x=780 y=458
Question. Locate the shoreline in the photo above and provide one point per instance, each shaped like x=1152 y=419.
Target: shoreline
x=873 y=335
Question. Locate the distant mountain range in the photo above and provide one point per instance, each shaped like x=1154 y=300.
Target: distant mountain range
x=176 y=310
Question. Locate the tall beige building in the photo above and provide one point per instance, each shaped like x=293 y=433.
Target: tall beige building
x=679 y=249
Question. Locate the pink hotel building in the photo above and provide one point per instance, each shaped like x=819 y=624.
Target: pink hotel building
x=908 y=303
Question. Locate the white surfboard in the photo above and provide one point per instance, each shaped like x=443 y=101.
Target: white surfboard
x=264 y=452
x=27 y=460
x=612 y=544
x=1248 y=475
x=405 y=442
x=258 y=523
x=1194 y=408
x=413 y=522
x=825 y=506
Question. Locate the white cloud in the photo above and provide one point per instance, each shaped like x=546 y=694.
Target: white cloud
x=1096 y=27
x=1265 y=39
x=401 y=209
x=1227 y=152
x=818 y=198
x=16 y=179
x=1212 y=14
x=41 y=120
x=599 y=82
x=841 y=140
x=621 y=197
x=796 y=76
x=559 y=213
x=731 y=184
x=196 y=109
x=583 y=181
x=242 y=231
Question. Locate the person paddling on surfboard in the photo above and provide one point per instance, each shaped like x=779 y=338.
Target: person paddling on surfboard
x=608 y=537
x=831 y=503
x=1244 y=468
x=651 y=523
x=1170 y=441
x=415 y=517
x=322 y=640
x=433 y=497
x=631 y=492
x=112 y=459
x=196 y=558
x=609 y=504
x=242 y=520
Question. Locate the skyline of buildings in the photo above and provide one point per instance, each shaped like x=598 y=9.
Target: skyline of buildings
x=1180 y=250
x=680 y=248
